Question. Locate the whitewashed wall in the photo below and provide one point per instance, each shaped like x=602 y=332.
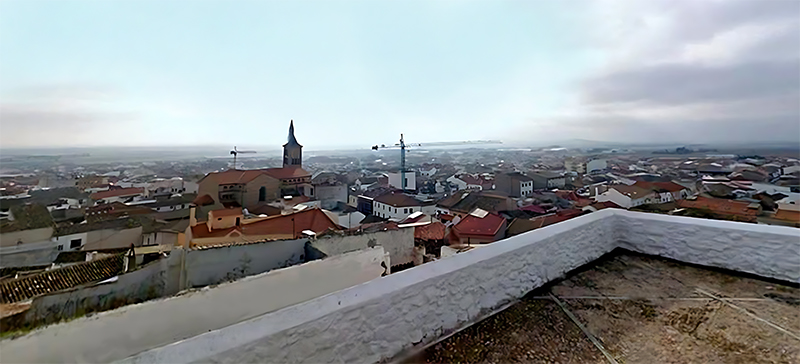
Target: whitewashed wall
x=113 y=335
x=398 y=243
x=765 y=250
x=223 y=264
x=380 y=319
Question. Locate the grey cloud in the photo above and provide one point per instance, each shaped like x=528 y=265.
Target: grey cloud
x=689 y=83
x=703 y=19
x=749 y=93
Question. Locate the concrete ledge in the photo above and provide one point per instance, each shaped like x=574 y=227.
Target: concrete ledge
x=378 y=319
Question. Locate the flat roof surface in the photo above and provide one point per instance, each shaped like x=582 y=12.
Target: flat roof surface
x=642 y=310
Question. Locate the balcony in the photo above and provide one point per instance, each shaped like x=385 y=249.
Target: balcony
x=397 y=315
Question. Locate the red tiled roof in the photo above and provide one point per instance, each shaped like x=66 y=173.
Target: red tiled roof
x=398 y=200
x=605 y=205
x=235 y=176
x=787 y=215
x=286 y=173
x=433 y=231
x=117 y=193
x=720 y=206
x=309 y=219
x=533 y=208
x=238 y=176
x=486 y=226
x=226 y=212
x=21 y=289
x=203 y=200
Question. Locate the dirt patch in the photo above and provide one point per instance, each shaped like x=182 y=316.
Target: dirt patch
x=531 y=331
x=687 y=320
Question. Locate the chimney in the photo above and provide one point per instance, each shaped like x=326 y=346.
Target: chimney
x=192 y=217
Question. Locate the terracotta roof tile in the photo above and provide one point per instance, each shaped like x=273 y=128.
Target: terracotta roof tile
x=787 y=215
x=226 y=212
x=720 y=206
x=433 y=231
x=309 y=219
x=486 y=226
x=24 y=288
x=288 y=172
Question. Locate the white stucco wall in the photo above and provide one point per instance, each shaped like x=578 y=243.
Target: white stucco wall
x=381 y=318
x=398 y=243
x=114 y=335
x=217 y=265
x=769 y=251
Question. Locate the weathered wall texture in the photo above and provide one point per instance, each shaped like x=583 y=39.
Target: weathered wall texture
x=769 y=251
x=398 y=243
x=109 y=336
x=147 y=283
x=112 y=239
x=381 y=318
x=217 y=265
x=34 y=254
x=25 y=236
x=378 y=319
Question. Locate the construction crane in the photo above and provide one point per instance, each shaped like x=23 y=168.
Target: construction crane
x=236 y=152
x=403 y=145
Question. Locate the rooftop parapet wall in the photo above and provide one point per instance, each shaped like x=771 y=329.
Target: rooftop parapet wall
x=382 y=318
x=379 y=319
x=764 y=250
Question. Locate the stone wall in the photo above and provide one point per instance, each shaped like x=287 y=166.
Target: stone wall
x=216 y=265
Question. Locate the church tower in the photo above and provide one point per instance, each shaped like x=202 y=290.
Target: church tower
x=292 y=150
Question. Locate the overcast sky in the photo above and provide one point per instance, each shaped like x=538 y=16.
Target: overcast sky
x=196 y=72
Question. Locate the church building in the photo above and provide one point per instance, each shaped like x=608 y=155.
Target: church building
x=253 y=188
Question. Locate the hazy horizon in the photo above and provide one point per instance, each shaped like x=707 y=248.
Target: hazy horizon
x=352 y=74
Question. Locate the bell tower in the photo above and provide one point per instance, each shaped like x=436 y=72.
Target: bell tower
x=292 y=150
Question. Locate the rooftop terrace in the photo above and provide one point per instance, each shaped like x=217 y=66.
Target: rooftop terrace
x=387 y=318
x=642 y=310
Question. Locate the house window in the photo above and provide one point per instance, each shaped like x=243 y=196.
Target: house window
x=75 y=243
x=411 y=210
x=237 y=221
x=60 y=247
x=262 y=194
x=405 y=211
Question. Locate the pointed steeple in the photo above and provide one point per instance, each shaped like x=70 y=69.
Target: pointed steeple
x=292 y=150
x=292 y=141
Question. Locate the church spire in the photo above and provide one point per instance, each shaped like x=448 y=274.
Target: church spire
x=292 y=140
x=292 y=150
